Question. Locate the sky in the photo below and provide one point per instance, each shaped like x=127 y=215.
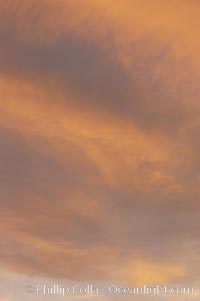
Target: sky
x=99 y=144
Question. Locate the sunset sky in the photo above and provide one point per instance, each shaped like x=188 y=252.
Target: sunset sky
x=99 y=144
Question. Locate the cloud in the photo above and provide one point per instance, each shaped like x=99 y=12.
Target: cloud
x=107 y=73
x=99 y=140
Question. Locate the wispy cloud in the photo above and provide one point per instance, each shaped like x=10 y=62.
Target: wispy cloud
x=99 y=135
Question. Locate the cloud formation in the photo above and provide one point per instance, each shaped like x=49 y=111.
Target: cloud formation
x=99 y=135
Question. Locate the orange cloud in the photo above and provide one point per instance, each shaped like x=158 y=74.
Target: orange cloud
x=100 y=139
